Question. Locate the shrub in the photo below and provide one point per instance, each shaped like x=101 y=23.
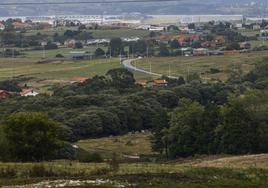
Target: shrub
x=59 y=56
x=8 y=172
x=86 y=157
x=41 y=171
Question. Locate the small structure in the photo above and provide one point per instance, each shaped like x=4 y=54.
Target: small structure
x=220 y=39
x=200 y=52
x=79 y=79
x=208 y=44
x=2 y=27
x=4 y=94
x=142 y=83
x=256 y=27
x=215 y=52
x=82 y=55
x=231 y=52
x=19 y=25
x=70 y=43
x=160 y=83
x=245 y=45
x=186 y=51
x=28 y=93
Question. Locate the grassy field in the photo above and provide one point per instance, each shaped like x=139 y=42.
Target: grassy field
x=177 y=66
x=54 y=69
x=244 y=171
x=123 y=146
x=257 y=43
x=52 y=53
x=119 y=33
x=104 y=33
x=177 y=173
x=249 y=32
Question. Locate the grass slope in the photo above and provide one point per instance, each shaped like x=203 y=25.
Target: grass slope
x=130 y=145
x=202 y=64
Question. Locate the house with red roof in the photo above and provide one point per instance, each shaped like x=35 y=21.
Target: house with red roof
x=220 y=39
x=4 y=94
x=79 y=79
x=160 y=83
x=28 y=93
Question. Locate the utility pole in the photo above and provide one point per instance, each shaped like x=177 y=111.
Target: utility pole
x=120 y=58
x=13 y=60
x=169 y=69
x=44 y=52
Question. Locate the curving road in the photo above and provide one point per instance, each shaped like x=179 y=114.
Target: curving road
x=127 y=63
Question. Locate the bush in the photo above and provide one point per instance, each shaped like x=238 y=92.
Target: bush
x=41 y=171
x=59 y=56
x=8 y=172
x=86 y=157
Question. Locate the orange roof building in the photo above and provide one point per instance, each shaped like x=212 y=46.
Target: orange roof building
x=160 y=83
x=4 y=94
x=79 y=79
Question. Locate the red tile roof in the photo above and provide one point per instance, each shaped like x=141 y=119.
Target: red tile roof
x=160 y=82
x=80 y=79
x=26 y=91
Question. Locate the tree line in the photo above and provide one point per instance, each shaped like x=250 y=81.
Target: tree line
x=187 y=117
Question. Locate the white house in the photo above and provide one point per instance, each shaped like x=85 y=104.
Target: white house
x=28 y=93
x=2 y=27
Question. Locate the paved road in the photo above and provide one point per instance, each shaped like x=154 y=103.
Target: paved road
x=127 y=63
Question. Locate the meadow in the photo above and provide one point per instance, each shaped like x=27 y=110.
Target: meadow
x=131 y=145
x=57 y=69
x=180 y=173
x=99 y=33
x=181 y=66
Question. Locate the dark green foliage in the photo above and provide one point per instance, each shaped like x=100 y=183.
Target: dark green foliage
x=236 y=133
x=163 y=51
x=184 y=131
x=50 y=46
x=78 y=45
x=258 y=76
x=121 y=78
x=116 y=46
x=59 y=56
x=139 y=47
x=233 y=46
x=174 y=44
x=99 y=52
x=31 y=136
x=167 y=98
x=86 y=157
x=240 y=127
x=10 y=85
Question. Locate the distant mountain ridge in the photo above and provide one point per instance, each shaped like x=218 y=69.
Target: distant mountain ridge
x=180 y=7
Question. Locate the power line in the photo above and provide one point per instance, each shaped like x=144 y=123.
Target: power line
x=85 y=2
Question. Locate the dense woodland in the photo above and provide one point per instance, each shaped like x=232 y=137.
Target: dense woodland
x=187 y=117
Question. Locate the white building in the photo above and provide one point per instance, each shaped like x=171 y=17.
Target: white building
x=28 y=93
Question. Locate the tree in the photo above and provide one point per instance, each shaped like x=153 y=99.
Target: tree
x=233 y=46
x=10 y=85
x=51 y=46
x=116 y=46
x=174 y=44
x=172 y=28
x=78 y=45
x=163 y=50
x=152 y=34
x=167 y=98
x=236 y=134
x=31 y=136
x=99 y=52
x=185 y=128
x=121 y=78
x=160 y=125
